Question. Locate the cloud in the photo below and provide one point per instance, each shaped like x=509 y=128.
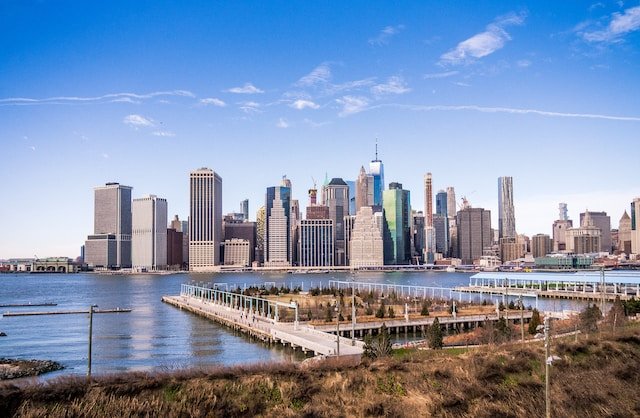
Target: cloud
x=138 y=121
x=248 y=88
x=516 y=111
x=350 y=85
x=213 y=102
x=441 y=75
x=352 y=104
x=106 y=98
x=483 y=43
x=461 y=84
x=619 y=25
x=250 y=107
x=32 y=148
x=394 y=85
x=163 y=133
x=523 y=63
x=385 y=35
x=319 y=75
x=282 y=123
x=105 y=156
x=315 y=124
x=302 y=104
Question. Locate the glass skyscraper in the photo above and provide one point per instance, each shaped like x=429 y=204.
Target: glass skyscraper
x=397 y=212
x=376 y=169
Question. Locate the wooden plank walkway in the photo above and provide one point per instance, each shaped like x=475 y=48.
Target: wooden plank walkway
x=297 y=335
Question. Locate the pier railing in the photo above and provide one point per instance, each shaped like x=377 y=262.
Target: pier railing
x=254 y=305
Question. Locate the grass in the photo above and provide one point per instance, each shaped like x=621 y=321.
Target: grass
x=593 y=378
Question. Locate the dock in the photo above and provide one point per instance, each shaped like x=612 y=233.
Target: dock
x=24 y=305
x=95 y=311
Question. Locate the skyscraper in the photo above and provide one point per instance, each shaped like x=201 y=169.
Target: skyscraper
x=352 y=195
x=428 y=199
x=376 y=169
x=441 y=223
x=397 y=212
x=541 y=245
x=367 y=248
x=244 y=209
x=506 y=213
x=149 y=233
x=560 y=227
x=635 y=226
x=205 y=221
x=336 y=195
x=603 y=221
x=277 y=238
x=110 y=244
x=316 y=243
x=261 y=230
x=474 y=233
x=451 y=202
x=364 y=190
x=624 y=234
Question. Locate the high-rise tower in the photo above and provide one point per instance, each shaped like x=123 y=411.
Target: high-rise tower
x=506 y=213
x=277 y=238
x=397 y=212
x=205 y=220
x=149 y=233
x=364 y=190
x=376 y=169
x=336 y=195
x=110 y=244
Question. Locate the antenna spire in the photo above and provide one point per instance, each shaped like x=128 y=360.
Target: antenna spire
x=376 y=149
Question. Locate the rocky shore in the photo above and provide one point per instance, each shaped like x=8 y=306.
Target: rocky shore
x=13 y=369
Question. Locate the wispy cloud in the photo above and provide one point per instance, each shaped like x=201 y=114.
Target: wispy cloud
x=350 y=85
x=163 y=133
x=106 y=98
x=523 y=63
x=282 y=123
x=352 y=104
x=250 y=107
x=315 y=124
x=138 y=121
x=461 y=84
x=105 y=156
x=484 y=43
x=212 y=101
x=319 y=75
x=32 y=148
x=248 y=88
x=303 y=104
x=620 y=24
x=394 y=85
x=516 y=111
x=444 y=74
x=385 y=35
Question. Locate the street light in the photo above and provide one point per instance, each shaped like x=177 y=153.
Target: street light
x=337 y=309
x=90 y=337
x=353 y=311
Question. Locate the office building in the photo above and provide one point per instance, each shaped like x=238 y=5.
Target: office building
x=174 y=249
x=602 y=221
x=366 y=245
x=635 y=226
x=352 y=195
x=376 y=169
x=541 y=245
x=110 y=244
x=418 y=237
x=441 y=228
x=349 y=221
x=506 y=212
x=336 y=195
x=397 y=212
x=245 y=231
x=205 y=220
x=244 y=209
x=261 y=230
x=277 y=238
x=473 y=233
x=237 y=252
x=585 y=239
x=624 y=234
x=149 y=233
x=560 y=227
x=563 y=212
x=364 y=190
x=316 y=243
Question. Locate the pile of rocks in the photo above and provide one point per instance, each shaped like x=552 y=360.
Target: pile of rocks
x=13 y=369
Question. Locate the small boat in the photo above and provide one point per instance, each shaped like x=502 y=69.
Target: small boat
x=450 y=269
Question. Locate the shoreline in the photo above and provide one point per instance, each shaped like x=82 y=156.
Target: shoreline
x=15 y=368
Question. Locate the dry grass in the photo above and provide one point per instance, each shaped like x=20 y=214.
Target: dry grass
x=593 y=379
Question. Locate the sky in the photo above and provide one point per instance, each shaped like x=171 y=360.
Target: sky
x=143 y=92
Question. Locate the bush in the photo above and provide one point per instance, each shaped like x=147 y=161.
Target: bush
x=435 y=335
x=380 y=311
x=391 y=313
x=425 y=310
x=377 y=347
x=535 y=321
x=589 y=318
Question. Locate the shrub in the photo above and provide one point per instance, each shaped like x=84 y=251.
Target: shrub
x=435 y=335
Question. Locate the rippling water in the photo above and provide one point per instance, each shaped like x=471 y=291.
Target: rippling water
x=154 y=336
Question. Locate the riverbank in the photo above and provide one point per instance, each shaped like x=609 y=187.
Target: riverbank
x=13 y=369
x=593 y=377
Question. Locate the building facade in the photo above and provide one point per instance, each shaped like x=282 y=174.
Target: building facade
x=110 y=244
x=602 y=221
x=366 y=245
x=506 y=212
x=364 y=190
x=149 y=233
x=376 y=169
x=635 y=226
x=316 y=243
x=397 y=212
x=473 y=233
x=237 y=252
x=541 y=245
x=336 y=195
x=624 y=234
x=277 y=238
x=205 y=220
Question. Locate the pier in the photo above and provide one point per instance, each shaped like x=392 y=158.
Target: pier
x=595 y=286
x=95 y=311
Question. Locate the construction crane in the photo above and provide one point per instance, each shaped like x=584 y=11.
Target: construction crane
x=465 y=202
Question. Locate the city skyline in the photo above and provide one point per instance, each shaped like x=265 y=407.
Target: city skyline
x=544 y=93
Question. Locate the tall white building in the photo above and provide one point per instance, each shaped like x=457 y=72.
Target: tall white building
x=277 y=238
x=635 y=226
x=205 y=220
x=149 y=233
x=367 y=247
x=429 y=230
x=506 y=212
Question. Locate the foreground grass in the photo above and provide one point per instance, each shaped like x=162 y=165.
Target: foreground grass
x=594 y=378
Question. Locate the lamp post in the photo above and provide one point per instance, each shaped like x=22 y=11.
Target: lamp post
x=337 y=309
x=90 y=338
x=353 y=311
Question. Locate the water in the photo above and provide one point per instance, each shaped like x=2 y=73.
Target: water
x=157 y=336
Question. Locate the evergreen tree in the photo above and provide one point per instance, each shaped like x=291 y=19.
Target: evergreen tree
x=329 y=313
x=534 y=322
x=589 y=318
x=616 y=316
x=380 y=311
x=435 y=335
x=377 y=347
x=502 y=330
x=425 y=310
x=391 y=313
x=368 y=351
x=512 y=305
x=368 y=310
x=501 y=307
x=309 y=315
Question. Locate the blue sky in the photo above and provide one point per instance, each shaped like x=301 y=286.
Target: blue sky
x=143 y=92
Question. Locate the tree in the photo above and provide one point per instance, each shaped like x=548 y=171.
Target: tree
x=589 y=318
x=534 y=322
x=631 y=306
x=391 y=313
x=425 y=309
x=309 y=315
x=616 y=315
x=435 y=335
x=329 y=313
x=377 y=347
x=368 y=310
x=380 y=311
x=512 y=305
x=502 y=330
x=501 y=307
